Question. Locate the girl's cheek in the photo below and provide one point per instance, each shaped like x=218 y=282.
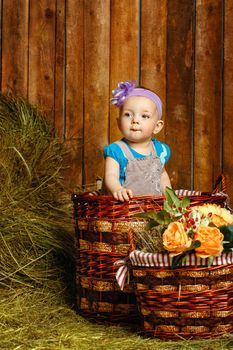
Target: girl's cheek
x=148 y=131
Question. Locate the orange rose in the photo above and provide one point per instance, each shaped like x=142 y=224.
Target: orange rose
x=211 y=241
x=175 y=239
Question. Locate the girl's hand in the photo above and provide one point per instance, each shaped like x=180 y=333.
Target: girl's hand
x=112 y=183
x=123 y=194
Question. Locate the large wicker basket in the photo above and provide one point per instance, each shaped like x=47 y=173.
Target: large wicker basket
x=187 y=302
x=102 y=226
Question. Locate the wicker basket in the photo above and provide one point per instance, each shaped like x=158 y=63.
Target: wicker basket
x=188 y=302
x=102 y=226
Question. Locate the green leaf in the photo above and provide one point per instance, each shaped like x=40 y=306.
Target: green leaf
x=178 y=259
x=227 y=246
x=171 y=197
x=185 y=202
x=210 y=260
x=146 y=215
x=151 y=224
x=163 y=218
x=167 y=207
x=227 y=232
x=194 y=245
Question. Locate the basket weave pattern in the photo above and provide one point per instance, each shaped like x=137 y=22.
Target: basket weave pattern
x=99 y=244
x=185 y=302
x=102 y=225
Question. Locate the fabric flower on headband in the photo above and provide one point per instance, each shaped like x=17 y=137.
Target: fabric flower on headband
x=122 y=91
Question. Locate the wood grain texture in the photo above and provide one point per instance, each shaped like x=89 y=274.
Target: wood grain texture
x=179 y=91
x=228 y=98
x=124 y=53
x=74 y=91
x=42 y=54
x=59 y=91
x=15 y=21
x=96 y=86
x=154 y=50
x=67 y=55
x=207 y=129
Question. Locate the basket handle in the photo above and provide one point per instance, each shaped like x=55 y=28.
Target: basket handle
x=220 y=184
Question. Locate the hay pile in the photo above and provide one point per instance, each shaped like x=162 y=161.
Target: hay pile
x=36 y=243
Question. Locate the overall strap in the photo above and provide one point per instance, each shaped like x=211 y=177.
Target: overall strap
x=125 y=149
x=154 y=153
x=127 y=152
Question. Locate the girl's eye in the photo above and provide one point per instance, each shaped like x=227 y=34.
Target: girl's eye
x=127 y=114
x=145 y=116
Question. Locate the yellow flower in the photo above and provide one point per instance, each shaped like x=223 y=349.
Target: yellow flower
x=219 y=216
x=175 y=239
x=218 y=220
x=211 y=241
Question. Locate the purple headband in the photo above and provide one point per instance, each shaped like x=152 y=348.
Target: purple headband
x=127 y=89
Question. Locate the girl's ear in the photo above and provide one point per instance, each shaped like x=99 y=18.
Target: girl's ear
x=158 y=126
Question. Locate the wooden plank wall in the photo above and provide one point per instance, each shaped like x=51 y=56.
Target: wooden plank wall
x=67 y=55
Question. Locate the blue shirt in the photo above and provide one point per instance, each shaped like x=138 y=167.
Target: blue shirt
x=115 y=152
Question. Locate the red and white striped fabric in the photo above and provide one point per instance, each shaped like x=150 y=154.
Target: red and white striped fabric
x=138 y=258
x=187 y=193
x=122 y=272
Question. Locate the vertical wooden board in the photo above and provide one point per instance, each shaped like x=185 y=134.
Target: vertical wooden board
x=124 y=50
x=15 y=46
x=74 y=86
x=96 y=86
x=228 y=99
x=154 y=49
x=178 y=128
x=59 y=105
x=42 y=54
x=207 y=131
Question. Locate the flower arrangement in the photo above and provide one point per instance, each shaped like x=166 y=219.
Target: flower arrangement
x=179 y=229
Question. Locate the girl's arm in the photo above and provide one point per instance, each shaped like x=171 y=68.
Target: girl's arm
x=164 y=181
x=112 y=183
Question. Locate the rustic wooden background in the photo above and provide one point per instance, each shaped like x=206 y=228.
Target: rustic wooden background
x=67 y=56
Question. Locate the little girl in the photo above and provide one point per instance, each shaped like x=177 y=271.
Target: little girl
x=134 y=165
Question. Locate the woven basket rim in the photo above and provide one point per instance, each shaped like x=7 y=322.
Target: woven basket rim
x=204 y=195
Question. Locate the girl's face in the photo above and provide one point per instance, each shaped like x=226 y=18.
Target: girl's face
x=139 y=119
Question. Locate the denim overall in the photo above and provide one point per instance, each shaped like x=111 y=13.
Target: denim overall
x=142 y=175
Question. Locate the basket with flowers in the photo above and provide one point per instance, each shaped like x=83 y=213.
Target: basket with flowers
x=182 y=266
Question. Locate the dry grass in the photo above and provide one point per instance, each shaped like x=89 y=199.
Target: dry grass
x=36 y=236
x=39 y=320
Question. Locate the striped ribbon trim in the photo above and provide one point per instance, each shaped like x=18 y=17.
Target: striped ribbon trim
x=187 y=193
x=122 y=272
x=138 y=258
